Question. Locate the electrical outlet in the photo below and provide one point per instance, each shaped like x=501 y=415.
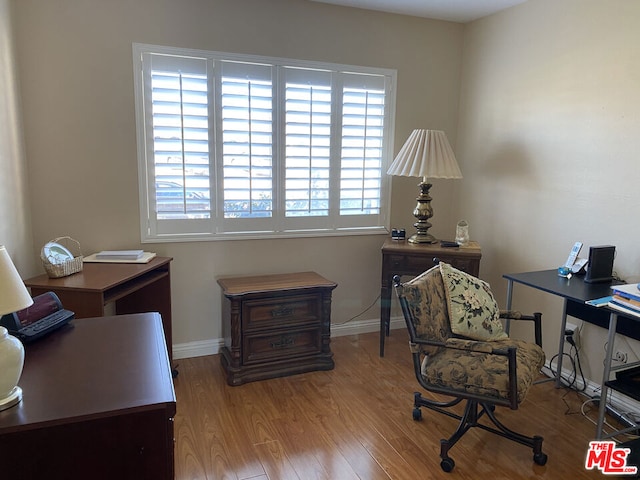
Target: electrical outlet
x=621 y=357
x=571 y=334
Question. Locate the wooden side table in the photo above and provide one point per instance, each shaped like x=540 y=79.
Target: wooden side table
x=399 y=257
x=275 y=325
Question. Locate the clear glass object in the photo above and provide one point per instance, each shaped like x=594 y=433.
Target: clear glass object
x=462 y=233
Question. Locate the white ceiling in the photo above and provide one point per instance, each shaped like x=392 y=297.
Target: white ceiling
x=453 y=10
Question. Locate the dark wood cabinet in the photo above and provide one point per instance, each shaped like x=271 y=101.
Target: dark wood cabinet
x=275 y=325
x=98 y=403
x=404 y=258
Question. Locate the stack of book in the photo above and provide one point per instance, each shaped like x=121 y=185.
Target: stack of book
x=119 y=255
x=626 y=298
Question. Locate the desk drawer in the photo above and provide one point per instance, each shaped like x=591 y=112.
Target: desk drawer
x=281 y=345
x=280 y=312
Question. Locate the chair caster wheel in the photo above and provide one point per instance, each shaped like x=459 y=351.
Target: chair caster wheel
x=417 y=414
x=540 y=458
x=447 y=464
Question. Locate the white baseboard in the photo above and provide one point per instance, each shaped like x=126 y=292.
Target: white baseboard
x=202 y=348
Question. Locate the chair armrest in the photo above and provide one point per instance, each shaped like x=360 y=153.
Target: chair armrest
x=516 y=315
x=473 y=346
x=536 y=318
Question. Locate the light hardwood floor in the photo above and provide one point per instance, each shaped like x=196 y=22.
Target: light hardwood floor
x=355 y=422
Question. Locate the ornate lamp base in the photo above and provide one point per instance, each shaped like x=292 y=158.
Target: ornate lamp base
x=12 y=399
x=423 y=212
x=422 y=238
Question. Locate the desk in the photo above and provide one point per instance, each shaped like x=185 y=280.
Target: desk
x=399 y=257
x=134 y=287
x=98 y=403
x=575 y=293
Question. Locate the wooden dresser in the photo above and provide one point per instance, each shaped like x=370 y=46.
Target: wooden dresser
x=275 y=325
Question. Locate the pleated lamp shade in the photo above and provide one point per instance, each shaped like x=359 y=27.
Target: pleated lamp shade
x=14 y=295
x=427 y=154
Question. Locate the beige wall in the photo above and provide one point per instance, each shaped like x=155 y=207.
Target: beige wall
x=548 y=140
x=546 y=132
x=75 y=71
x=15 y=224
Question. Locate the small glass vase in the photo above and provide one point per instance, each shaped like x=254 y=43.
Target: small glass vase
x=462 y=233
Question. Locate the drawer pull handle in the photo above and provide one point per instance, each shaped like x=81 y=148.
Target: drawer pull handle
x=284 y=342
x=436 y=260
x=282 y=312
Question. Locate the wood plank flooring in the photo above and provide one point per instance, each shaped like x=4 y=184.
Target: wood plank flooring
x=355 y=422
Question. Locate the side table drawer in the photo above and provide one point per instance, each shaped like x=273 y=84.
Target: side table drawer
x=404 y=263
x=468 y=265
x=284 y=311
x=283 y=344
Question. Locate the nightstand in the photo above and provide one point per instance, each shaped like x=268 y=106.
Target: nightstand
x=275 y=325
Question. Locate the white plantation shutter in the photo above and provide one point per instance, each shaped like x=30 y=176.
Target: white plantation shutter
x=363 y=114
x=308 y=148
x=237 y=146
x=247 y=140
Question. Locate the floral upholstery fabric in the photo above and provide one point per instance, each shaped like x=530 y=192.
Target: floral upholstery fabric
x=473 y=311
x=482 y=373
x=427 y=301
x=461 y=364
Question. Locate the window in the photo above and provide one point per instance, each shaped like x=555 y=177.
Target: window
x=235 y=146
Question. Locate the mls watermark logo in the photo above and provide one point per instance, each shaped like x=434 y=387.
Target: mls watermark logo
x=609 y=459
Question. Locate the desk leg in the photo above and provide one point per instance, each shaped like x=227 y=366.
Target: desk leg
x=606 y=371
x=507 y=325
x=385 y=312
x=563 y=326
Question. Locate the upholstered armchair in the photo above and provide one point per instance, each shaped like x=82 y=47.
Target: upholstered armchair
x=461 y=351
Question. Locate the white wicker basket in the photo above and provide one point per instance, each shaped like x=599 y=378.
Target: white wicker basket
x=57 y=269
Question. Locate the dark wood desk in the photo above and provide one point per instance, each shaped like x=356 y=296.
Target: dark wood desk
x=133 y=287
x=98 y=403
x=404 y=258
x=575 y=292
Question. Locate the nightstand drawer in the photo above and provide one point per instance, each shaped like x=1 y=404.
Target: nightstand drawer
x=284 y=344
x=289 y=310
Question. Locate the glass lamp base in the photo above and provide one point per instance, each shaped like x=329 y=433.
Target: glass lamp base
x=12 y=399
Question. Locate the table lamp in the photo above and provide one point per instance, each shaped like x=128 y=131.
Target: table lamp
x=14 y=296
x=426 y=154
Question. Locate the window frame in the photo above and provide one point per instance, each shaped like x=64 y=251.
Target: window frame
x=155 y=230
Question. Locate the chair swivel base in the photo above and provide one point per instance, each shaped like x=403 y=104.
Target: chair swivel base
x=470 y=419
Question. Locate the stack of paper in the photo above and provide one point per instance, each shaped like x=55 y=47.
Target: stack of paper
x=119 y=255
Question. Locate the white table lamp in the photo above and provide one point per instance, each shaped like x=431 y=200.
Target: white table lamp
x=426 y=154
x=14 y=296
